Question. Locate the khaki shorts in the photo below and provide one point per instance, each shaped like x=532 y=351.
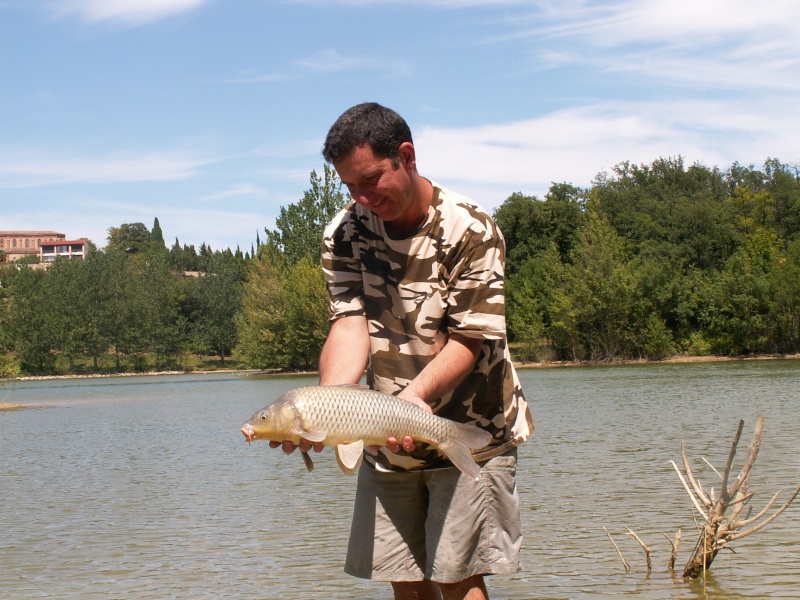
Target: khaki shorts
x=435 y=524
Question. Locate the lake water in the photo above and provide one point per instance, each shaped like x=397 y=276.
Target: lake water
x=143 y=487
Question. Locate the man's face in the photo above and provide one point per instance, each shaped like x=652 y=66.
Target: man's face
x=382 y=185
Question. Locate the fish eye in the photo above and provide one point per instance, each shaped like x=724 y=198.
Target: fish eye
x=262 y=416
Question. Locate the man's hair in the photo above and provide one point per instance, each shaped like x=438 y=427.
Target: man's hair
x=368 y=123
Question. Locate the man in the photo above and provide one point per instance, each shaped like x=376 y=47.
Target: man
x=415 y=281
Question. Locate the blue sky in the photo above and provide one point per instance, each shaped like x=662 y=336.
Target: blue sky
x=210 y=114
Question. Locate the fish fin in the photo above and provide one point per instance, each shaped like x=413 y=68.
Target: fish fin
x=349 y=456
x=307 y=461
x=460 y=455
x=312 y=436
x=458 y=451
x=473 y=437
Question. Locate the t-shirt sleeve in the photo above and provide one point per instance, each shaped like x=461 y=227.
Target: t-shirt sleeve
x=476 y=304
x=342 y=270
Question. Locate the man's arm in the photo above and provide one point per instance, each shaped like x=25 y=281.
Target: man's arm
x=345 y=353
x=454 y=362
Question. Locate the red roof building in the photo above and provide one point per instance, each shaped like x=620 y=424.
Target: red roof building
x=17 y=244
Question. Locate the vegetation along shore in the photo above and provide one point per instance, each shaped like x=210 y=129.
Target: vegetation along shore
x=653 y=262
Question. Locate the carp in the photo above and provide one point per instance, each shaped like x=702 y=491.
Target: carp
x=349 y=418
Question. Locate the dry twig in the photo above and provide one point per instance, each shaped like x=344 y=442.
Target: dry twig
x=624 y=562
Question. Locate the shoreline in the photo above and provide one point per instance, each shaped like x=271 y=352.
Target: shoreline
x=517 y=364
x=676 y=360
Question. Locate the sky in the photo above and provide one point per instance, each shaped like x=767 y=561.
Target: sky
x=210 y=114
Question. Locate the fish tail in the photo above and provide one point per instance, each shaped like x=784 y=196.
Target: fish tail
x=459 y=449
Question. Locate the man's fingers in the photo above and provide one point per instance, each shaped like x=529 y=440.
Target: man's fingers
x=394 y=446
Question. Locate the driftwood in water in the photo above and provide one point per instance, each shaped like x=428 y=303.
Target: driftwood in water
x=727 y=515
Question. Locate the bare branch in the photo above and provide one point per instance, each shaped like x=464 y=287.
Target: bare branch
x=744 y=477
x=712 y=466
x=624 y=562
x=644 y=547
x=738 y=536
x=688 y=490
x=724 y=493
x=764 y=511
x=675 y=545
x=698 y=489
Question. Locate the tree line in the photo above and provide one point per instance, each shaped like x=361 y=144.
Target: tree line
x=649 y=261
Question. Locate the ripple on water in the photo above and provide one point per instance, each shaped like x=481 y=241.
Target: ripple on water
x=146 y=489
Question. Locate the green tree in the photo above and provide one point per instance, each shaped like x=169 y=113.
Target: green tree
x=156 y=235
x=306 y=306
x=154 y=324
x=300 y=225
x=529 y=225
x=592 y=312
x=129 y=237
x=70 y=284
x=742 y=298
x=218 y=296
x=669 y=211
x=33 y=323
x=785 y=281
x=261 y=325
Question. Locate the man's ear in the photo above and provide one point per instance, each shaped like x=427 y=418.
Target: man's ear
x=407 y=156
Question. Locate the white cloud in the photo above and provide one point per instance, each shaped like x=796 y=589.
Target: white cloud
x=726 y=43
x=133 y=12
x=329 y=61
x=326 y=61
x=33 y=169
x=240 y=190
x=574 y=145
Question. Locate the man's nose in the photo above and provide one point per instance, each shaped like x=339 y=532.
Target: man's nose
x=364 y=197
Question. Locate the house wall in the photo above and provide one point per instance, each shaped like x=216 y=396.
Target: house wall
x=17 y=244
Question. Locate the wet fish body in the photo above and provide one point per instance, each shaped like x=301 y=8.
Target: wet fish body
x=351 y=417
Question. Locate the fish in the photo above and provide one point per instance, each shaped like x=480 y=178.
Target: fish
x=349 y=417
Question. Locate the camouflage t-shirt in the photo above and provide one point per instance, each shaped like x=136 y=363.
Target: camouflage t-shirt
x=446 y=277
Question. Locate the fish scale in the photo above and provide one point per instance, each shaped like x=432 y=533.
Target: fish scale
x=350 y=417
x=365 y=414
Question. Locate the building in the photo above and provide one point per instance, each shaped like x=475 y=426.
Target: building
x=67 y=248
x=17 y=244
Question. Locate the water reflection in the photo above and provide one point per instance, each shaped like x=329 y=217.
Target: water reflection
x=144 y=488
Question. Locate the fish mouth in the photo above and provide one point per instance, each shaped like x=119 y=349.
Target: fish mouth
x=248 y=432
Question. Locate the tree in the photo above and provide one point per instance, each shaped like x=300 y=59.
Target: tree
x=529 y=298
x=218 y=299
x=70 y=282
x=530 y=225
x=743 y=299
x=261 y=325
x=156 y=235
x=129 y=237
x=33 y=324
x=305 y=302
x=592 y=310
x=300 y=225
